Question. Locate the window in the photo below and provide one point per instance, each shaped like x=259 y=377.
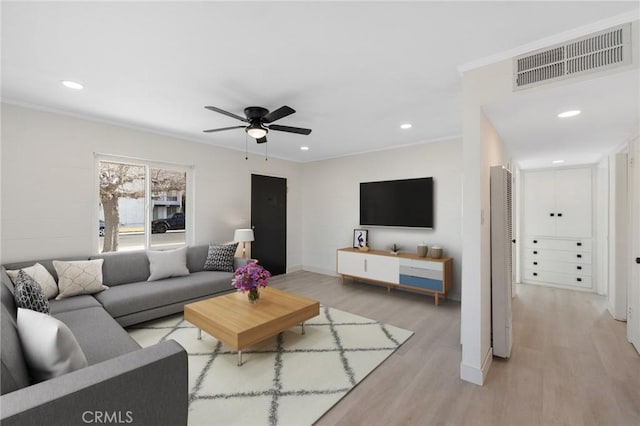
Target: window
x=142 y=205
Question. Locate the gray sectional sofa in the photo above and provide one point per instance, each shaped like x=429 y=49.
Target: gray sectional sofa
x=123 y=383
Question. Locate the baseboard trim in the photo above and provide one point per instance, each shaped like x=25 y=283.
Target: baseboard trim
x=322 y=271
x=294 y=269
x=476 y=375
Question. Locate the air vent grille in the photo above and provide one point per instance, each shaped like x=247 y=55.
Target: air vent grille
x=596 y=52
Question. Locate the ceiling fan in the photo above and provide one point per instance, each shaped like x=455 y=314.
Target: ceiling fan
x=257 y=117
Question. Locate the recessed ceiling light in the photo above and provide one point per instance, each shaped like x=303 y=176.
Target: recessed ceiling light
x=304 y=148
x=405 y=126
x=72 y=85
x=558 y=161
x=571 y=113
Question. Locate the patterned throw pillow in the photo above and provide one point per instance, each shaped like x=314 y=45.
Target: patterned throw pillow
x=29 y=295
x=42 y=277
x=79 y=277
x=220 y=257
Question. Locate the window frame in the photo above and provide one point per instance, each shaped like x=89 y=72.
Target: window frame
x=188 y=169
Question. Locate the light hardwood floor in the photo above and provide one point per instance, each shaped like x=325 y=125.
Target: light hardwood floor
x=571 y=363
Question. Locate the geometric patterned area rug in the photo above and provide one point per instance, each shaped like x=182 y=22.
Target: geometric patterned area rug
x=290 y=379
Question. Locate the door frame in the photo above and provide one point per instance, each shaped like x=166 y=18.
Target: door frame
x=633 y=295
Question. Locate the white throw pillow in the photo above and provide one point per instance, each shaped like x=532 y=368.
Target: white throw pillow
x=50 y=348
x=79 y=277
x=167 y=263
x=40 y=274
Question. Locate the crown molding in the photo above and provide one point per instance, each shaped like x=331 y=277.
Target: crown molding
x=562 y=37
x=131 y=126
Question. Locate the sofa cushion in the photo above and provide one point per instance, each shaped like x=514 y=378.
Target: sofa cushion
x=100 y=336
x=220 y=257
x=124 y=267
x=42 y=277
x=74 y=303
x=79 y=277
x=29 y=295
x=15 y=374
x=196 y=256
x=136 y=297
x=49 y=346
x=167 y=263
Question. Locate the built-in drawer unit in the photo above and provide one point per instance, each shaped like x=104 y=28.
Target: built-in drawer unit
x=565 y=262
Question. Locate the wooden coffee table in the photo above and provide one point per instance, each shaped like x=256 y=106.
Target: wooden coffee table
x=239 y=324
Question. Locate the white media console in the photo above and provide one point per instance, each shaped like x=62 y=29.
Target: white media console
x=404 y=270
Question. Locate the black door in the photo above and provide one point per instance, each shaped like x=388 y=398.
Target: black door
x=269 y=222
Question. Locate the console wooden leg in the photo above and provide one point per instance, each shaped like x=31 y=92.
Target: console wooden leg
x=436 y=299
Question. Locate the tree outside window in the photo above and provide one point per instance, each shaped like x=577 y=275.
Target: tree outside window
x=141 y=206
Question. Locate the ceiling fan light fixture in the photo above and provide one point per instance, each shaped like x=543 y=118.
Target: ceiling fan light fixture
x=256 y=131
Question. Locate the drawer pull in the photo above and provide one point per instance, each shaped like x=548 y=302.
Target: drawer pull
x=535 y=241
x=559 y=214
x=535 y=252
x=579 y=244
x=579 y=279
x=551 y=214
x=579 y=256
x=535 y=274
x=579 y=268
x=535 y=263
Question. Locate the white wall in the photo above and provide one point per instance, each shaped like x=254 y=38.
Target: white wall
x=331 y=202
x=49 y=192
x=482 y=148
x=618 y=235
x=601 y=216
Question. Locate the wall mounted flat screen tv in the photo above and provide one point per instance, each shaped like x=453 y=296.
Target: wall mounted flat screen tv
x=403 y=203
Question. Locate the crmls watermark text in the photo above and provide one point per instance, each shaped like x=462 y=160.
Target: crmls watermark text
x=107 y=417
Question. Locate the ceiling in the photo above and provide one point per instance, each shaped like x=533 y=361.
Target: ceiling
x=354 y=71
x=535 y=136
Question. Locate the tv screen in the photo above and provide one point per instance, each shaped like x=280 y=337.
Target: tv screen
x=406 y=202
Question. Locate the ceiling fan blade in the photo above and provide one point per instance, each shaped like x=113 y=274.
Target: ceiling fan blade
x=262 y=140
x=289 y=129
x=227 y=113
x=278 y=114
x=223 y=128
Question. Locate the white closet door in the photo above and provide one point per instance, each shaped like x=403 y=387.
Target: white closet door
x=573 y=203
x=539 y=203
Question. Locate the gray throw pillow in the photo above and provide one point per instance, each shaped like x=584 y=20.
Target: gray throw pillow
x=167 y=263
x=29 y=295
x=50 y=348
x=220 y=257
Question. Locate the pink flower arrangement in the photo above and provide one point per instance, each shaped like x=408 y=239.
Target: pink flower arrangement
x=250 y=277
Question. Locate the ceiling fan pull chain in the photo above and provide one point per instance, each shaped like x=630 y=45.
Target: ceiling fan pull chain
x=266 y=152
x=246 y=146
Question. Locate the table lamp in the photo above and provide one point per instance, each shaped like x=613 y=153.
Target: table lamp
x=242 y=236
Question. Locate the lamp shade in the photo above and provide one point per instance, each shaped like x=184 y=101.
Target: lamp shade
x=256 y=131
x=242 y=235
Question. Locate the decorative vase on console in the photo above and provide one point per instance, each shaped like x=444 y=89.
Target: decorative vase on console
x=250 y=279
x=422 y=250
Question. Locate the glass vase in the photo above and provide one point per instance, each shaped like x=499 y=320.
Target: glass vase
x=253 y=295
